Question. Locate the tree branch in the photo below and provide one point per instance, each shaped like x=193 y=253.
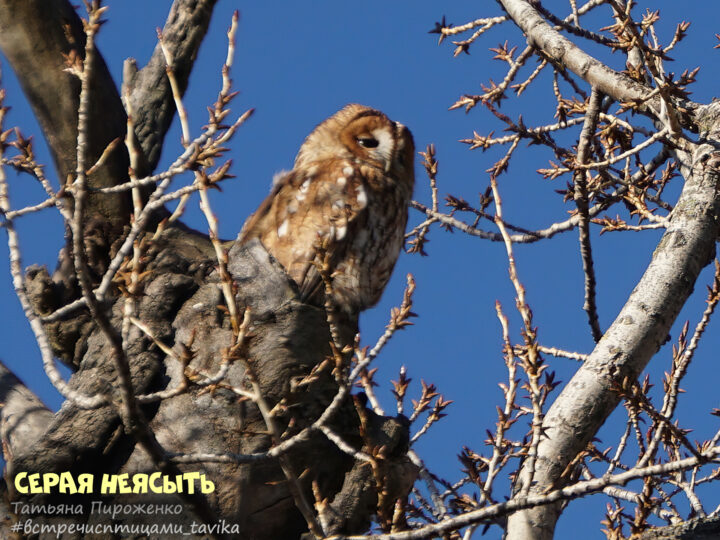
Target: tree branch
x=638 y=332
x=23 y=417
x=54 y=94
x=150 y=93
x=564 y=52
x=581 y=200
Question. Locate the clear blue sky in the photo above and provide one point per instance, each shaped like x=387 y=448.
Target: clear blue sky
x=297 y=63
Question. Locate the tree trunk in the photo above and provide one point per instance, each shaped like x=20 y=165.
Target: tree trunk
x=194 y=425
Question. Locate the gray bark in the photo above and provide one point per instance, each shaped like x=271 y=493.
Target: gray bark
x=152 y=101
x=288 y=339
x=180 y=303
x=23 y=417
x=53 y=93
x=695 y=529
x=643 y=324
x=637 y=333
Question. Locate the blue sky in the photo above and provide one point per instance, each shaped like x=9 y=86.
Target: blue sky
x=297 y=63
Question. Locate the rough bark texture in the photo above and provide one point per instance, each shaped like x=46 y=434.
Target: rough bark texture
x=288 y=338
x=182 y=304
x=695 y=529
x=54 y=94
x=23 y=416
x=152 y=101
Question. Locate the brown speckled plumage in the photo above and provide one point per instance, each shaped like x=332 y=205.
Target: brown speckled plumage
x=350 y=188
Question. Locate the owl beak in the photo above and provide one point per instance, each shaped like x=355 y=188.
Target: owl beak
x=399 y=128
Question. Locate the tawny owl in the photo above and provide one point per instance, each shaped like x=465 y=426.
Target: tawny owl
x=348 y=192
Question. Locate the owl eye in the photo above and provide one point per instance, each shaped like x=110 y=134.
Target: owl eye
x=368 y=142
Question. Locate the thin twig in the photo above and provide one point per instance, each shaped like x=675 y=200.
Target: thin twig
x=18 y=281
x=531 y=360
x=577 y=490
x=581 y=200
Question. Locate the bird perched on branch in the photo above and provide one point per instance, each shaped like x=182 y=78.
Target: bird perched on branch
x=344 y=205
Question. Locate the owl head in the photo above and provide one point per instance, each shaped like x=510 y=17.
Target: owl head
x=364 y=135
x=345 y=199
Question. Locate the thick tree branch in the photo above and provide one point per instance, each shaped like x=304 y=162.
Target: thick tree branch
x=695 y=529
x=23 y=417
x=150 y=93
x=564 y=52
x=636 y=335
x=53 y=93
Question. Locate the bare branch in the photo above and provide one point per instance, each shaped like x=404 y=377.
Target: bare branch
x=629 y=343
x=151 y=96
x=565 y=53
x=588 y=131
